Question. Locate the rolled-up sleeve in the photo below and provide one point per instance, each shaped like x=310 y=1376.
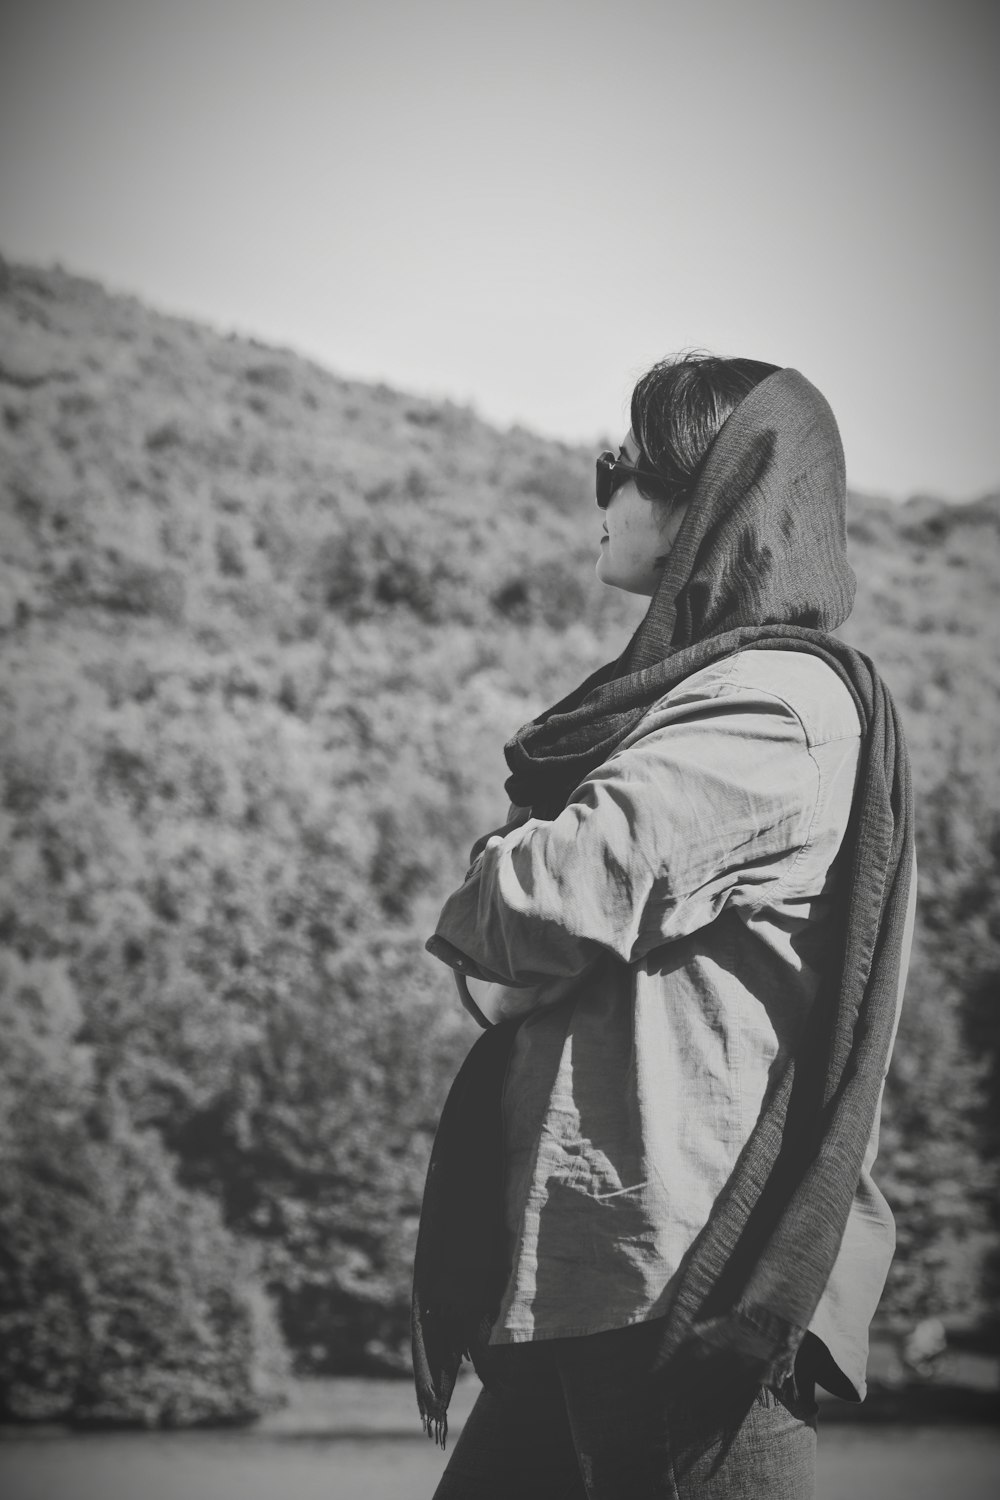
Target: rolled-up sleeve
x=715 y=790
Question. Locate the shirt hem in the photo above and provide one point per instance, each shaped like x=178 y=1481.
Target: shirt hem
x=522 y=1334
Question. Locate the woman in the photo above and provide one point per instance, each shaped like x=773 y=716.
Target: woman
x=649 y=1215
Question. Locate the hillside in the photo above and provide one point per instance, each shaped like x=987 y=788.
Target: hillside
x=265 y=631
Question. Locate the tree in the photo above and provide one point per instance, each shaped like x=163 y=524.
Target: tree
x=124 y=1299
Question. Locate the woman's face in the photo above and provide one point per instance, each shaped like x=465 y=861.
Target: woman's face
x=638 y=534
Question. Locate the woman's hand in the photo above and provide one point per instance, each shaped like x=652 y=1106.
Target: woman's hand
x=497 y=1002
x=501 y=1002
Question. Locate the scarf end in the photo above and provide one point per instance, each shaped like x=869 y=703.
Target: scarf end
x=436 y=1428
x=759 y=1341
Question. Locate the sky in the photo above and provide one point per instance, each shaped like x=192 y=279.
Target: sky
x=522 y=205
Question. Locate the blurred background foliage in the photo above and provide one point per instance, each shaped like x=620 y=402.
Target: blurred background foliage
x=265 y=632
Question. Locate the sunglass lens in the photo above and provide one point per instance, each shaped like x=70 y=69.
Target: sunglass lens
x=605 y=479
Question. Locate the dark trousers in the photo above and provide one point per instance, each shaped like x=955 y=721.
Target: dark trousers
x=588 y=1419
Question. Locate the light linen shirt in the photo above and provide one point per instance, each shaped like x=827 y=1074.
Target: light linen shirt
x=664 y=938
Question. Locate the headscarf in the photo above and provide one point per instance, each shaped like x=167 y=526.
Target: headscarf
x=763 y=543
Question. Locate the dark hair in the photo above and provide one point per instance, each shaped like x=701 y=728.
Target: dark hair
x=677 y=409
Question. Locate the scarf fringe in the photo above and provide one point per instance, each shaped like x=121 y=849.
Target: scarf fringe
x=758 y=1340
x=436 y=1428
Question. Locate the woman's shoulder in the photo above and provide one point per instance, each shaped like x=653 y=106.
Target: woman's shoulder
x=799 y=682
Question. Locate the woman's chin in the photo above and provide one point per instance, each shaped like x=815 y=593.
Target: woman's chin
x=606 y=575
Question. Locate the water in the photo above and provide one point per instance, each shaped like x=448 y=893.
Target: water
x=318 y=1451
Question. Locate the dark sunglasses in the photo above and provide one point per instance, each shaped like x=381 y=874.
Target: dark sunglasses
x=613 y=471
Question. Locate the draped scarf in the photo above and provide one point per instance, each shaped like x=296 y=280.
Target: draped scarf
x=759 y=563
